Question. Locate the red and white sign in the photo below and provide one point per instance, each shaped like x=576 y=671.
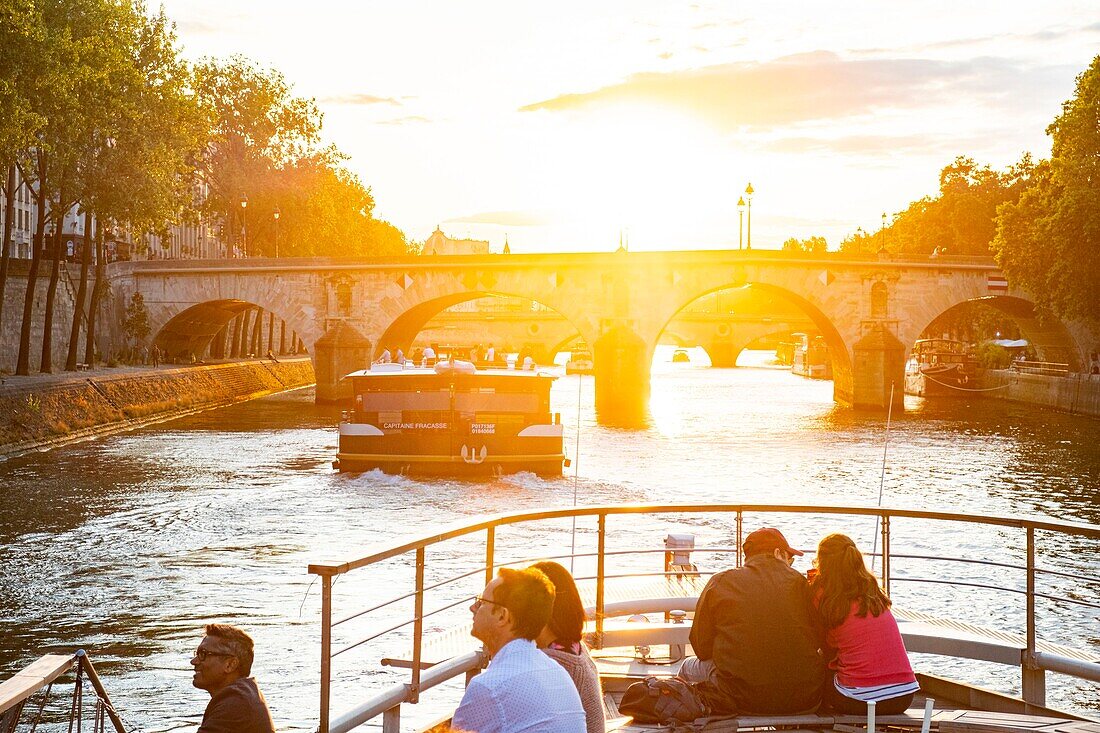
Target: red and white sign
x=997 y=283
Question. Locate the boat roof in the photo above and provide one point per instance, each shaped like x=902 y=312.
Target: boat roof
x=398 y=373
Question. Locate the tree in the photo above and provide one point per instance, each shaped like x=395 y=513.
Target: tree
x=140 y=169
x=813 y=244
x=1048 y=241
x=257 y=127
x=21 y=33
x=135 y=324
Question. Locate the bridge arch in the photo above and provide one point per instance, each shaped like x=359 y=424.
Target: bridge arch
x=193 y=330
x=1051 y=338
x=839 y=352
x=404 y=326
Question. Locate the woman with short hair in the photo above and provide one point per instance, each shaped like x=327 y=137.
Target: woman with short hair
x=869 y=657
x=561 y=641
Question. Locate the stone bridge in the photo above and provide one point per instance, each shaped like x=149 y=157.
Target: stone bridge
x=544 y=333
x=869 y=308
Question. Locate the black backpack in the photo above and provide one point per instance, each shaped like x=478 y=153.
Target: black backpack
x=662 y=700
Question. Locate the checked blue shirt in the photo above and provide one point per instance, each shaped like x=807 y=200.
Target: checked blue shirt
x=521 y=691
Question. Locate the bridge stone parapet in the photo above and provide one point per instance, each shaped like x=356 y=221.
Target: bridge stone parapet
x=620 y=302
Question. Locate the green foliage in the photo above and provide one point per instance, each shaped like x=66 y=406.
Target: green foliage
x=813 y=244
x=265 y=149
x=992 y=356
x=135 y=324
x=961 y=220
x=1048 y=242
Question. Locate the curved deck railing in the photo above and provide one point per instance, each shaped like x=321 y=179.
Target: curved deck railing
x=1033 y=662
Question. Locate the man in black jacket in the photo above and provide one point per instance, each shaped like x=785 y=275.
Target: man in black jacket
x=756 y=635
x=223 y=663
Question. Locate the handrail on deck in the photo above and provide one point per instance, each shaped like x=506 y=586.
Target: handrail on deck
x=1033 y=662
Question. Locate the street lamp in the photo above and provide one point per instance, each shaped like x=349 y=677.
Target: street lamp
x=276 y=214
x=244 y=216
x=748 y=193
x=740 y=222
x=860 y=234
x=882 y=234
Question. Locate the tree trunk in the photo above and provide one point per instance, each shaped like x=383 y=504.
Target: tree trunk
x=23 y=362
x=51 y=291
x=5 y=242
x=97 y=294
x=235 y=338
x=82 y=289
x=217 y=346
x=271 y=332
x=258 y=333
x=282 y=337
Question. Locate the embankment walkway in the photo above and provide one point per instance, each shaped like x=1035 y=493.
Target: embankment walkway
x=46 y=410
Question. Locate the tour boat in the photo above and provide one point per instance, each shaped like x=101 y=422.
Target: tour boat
x=940 y=368
x=1023 y=580
x=810 y=358
x=640 y=610
x=580 y=361
x=451 y=419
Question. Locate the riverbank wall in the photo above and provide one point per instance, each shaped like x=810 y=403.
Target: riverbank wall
x=1077 y=394
x=38 y=413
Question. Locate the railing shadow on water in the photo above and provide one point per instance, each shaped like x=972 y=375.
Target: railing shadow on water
x=466 y=556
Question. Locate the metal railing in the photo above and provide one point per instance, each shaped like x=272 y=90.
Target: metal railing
x=1047 y=368
x=1033 y=664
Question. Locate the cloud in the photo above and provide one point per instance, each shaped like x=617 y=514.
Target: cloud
x=815 y=86
x=504 y=218
x=195 y=27
x=410 y=120
x=876 y=145
x=360 y=100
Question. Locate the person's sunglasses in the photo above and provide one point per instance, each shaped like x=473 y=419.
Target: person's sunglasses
x=202 y=654
x=478 y=601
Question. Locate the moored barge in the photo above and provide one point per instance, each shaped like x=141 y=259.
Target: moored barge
x=453 y=419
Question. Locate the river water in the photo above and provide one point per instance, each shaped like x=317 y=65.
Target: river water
x=126 y=545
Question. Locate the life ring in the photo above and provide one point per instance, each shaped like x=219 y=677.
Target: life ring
x=533 y=329
x=723 y=329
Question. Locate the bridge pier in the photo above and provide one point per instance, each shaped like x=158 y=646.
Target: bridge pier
x=341 y=350
x=622 y=361
x=723 y=353
x=878 y=362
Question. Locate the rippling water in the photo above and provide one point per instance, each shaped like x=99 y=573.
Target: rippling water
x=126 y=545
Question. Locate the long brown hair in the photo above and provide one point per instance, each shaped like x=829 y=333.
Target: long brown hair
x=567 y=618
x=842 y=577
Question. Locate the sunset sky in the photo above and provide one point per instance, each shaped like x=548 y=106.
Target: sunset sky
x=562 y=124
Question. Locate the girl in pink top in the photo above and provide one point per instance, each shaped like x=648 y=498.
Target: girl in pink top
x=869 y=659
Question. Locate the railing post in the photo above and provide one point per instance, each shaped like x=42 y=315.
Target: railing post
x=391 y=720
x=886 y=552
x=740 y=530
x=490 y=544
x=1033 y=678
x=600 y=574
x=326 y=650
x=418 y=626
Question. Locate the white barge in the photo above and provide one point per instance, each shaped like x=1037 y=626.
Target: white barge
x=453 y=419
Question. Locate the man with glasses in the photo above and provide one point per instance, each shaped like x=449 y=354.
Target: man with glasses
x=522 y=690
x=756 y=636
x=223 y=663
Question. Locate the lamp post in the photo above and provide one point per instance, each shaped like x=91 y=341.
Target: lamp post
x=276 y=214
x=860 y=234
x=748 y=194
x=244 y=216
x=882 y=234
x=740 y=222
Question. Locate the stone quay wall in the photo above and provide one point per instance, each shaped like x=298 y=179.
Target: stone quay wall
x=12 y=318
x=1077 y=394
x=35 y=413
